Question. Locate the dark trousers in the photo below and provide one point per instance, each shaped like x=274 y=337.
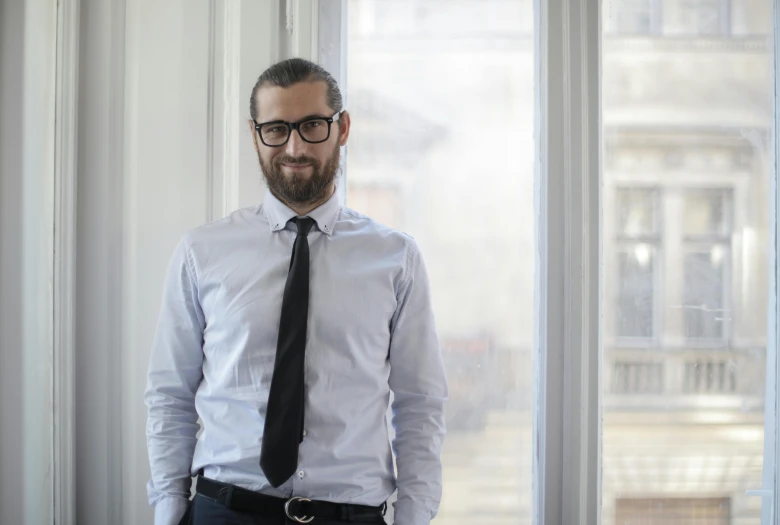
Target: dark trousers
x=206 y=511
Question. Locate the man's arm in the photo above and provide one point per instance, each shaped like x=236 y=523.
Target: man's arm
x=418 y=383
x=175 y=371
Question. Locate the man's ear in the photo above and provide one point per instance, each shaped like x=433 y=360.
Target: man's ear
x=345 y=123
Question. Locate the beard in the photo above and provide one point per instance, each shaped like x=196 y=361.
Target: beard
x=296 y=188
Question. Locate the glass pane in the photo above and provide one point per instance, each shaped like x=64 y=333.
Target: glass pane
x=635 y=284
x=637 y=208
x=705 y=212
x=705 y=287
x=632 y=16
x=441 y=94
x=685 y=334
x=703 y=17
x=672 y=511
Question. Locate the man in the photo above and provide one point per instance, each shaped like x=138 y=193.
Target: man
x=285 y=327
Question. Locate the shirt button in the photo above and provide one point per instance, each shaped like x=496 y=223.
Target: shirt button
x=300 y=474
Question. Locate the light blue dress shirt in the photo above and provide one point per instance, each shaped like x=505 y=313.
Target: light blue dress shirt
x=370 y=330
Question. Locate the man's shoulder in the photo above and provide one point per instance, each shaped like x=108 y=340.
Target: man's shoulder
x=235 y=224
x=359 y=221
x=385 y=239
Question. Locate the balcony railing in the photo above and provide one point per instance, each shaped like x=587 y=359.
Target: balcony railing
x=684 y=378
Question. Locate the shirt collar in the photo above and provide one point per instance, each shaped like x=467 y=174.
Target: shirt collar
x=278 y=214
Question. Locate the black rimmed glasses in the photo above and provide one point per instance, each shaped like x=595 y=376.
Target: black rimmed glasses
x=312 y=130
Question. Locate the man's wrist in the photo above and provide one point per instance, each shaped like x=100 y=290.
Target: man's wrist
x=407 y=512
x=169 y=510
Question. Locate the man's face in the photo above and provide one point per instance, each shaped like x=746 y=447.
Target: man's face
x=299 y=173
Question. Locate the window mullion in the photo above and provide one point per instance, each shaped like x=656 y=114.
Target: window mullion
x=771 y=489
x=567 y=409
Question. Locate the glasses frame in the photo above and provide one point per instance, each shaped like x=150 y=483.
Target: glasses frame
x=296 y=126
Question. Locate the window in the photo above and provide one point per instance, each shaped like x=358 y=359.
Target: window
x=687 y=233
x=441 y=94
x=702 y=18
x=705 y=251
x=638 y=250
x=687 y=175
x=705 y=17
x=707 y=255
x=634 y=17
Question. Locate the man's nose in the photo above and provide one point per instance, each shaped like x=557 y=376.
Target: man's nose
x=295 y=145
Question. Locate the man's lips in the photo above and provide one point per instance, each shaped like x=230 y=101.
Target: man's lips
x=296 y=166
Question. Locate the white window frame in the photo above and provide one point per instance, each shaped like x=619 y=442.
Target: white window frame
x=568 y=299
x=770 y=492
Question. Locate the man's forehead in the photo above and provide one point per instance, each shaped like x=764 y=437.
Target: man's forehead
x=293 y=102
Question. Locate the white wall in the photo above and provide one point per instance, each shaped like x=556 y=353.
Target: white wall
x=164 y=146
x=27 y=31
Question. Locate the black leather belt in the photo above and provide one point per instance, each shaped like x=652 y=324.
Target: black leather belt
x=301 y=510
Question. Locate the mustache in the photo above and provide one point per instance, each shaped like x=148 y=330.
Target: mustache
x=288 y=159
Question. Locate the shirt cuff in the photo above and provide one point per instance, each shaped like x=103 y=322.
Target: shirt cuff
x=411 y=513
x=170 y=510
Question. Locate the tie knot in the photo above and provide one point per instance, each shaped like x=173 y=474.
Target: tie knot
x=304 y=224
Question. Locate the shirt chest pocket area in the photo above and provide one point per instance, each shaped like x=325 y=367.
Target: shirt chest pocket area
x=241 y=335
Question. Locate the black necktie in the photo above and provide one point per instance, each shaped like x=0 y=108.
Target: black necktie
x=284 y=418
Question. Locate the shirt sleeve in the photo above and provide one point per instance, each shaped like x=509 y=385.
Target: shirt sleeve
x=175 y=371
x=419 y=386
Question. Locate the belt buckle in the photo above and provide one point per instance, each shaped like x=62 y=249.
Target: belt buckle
x=302 y=519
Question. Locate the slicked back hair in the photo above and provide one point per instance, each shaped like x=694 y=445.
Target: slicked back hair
x=292 y=71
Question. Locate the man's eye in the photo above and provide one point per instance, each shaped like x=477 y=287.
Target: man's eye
x=312 y=124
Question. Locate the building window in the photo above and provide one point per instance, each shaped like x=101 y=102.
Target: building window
x=639 y=242
x=705 y=17
x=634 y=17
x=707 y=252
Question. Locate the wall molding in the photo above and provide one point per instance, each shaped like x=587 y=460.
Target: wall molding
x=118 y=120
x=224 y=112
x=213 y=207
x=302 y=28
x=65 y=206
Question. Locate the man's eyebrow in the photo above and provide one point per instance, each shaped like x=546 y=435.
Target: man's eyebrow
x=313 y=115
